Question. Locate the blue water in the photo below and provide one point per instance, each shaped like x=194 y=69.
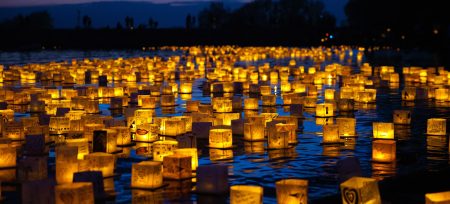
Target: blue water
x=308 y=160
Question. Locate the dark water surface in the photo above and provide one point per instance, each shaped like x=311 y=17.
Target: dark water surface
x=308 y=160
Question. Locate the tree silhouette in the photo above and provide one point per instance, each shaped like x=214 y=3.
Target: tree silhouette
x=129 y=22
x=87 y=22
x=152 y=24
x=34 y=21
x=213 y=17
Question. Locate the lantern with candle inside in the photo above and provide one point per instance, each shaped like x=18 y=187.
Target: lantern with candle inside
x=285 y=87
x=222 y=105
x=441 y=94
x=364 y=97
x=269 y=100
x=192 y=106
x=172 y=127
x=331 y=134
x=347 y=127
x=292 y=191
x=123 y=135
x=383 y=150
x=91 y=106
x=278 y=140
x=79 y=192
x=167 y=100
x=226 y=118
x=103 y=162
x=251 y=104
x=82 y=144
x=163 y=148
x=402 y=117
x=383 y=130
x=280 y=127
x=146 y=174
x=192 y=152
x=325 y=110
x=246 y=194
x=146 y=132
x=437 y=198
x=185 y=88
x=105 y=141
x=265 y=90
x=253 y=131
x=360 y=190
x=7 y=156
x=66 y=163
x=146 y=101
x=409 y=94
x=88 y=130
x=118 y=91
x=59 y=125
x=177 y=167
x=436 y=126
x=220 y=138
x=329 y=94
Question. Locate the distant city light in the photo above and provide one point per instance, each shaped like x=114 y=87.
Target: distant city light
x=331 y=36
x=436 y=31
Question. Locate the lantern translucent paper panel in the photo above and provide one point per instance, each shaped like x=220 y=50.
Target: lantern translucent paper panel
x=245 y=194
x=177 y=167
x=79 y=192
x=253 y=131
x=437 y=198
x=103 y=162
x=383 y=130
x=436 y=126
x=402 y=117
x=331 y=134
x=347 y=126
x=146 y=174
x=7 y=156
x=325 y=110
x=192 y=152
x=292 y=191
x=163 y=148
x=360 y=190
x=220 y=138
x=383 y=150
x=66 y=163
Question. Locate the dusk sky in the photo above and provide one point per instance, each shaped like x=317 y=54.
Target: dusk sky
x=15 y=3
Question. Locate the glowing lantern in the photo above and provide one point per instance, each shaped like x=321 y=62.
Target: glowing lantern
x=177 y=167
x=185 y=88
x=292 y=191
x=441 y=94
x=66 y=163
x=226 y=118
x=146 y=174
x=278 y=140
x=59 y=125
x=360 y=190
x=222 y=105
x=280 y=127
x=331 y=134
x=285 y=87
x=82 y=144
x=7 y=156
x=383 y=130
x=402 y=117
x=105 y=141
x=123 y=135
x=103 y=162
x=146 y=101
x=172 y=127
x=163 y=148
x=167 y=100
x=251 y=104
x=89 y=129
x=246 y=194
x=365 y=96
x=220 y=138
x=437 y=198
x=192 y=106
x=192 y=152
x=347 y=126
x=383 y=150
x=79 y=192
x=325 y=110
x=253 y=131
x=329 y=94
x=269 y=100
x=265 y=90
x=436 y=126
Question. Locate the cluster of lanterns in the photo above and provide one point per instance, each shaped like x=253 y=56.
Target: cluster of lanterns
x=65 y=113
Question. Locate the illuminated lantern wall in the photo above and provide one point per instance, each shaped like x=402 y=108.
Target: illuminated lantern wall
x=325 y=110
x=402 y=117
x=177 y=166
x=82 y=144
x=383 y=130
x=383 y=150
x=292 y=191
x=437 y=198
x=360 y=190
x=253 y=131
x=103 y=162
x=192 y=152
x=163 y=148
x=279 y=140
x=146 y=174
x=66 y=163
x=251 y=104
x=436 y=126
x=347 y=126
x=220 y=138
x=331 y=134
x=245 y=194
x=79 y=192
x=7 y=156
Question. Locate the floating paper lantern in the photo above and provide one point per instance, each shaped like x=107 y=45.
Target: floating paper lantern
x=251 y=104
x=402 y=117
x=347 y=126
x=246 y=194
x=123 y=135
x=192 y=152
x=437 y=198
x=7 y=156
x=105 y=141
x=59 y=125
x=280 y=127
x=383 y=150
x=163 y=148
x=192 y=106
x=89 y=129
x=177 y=167
x=220 y=138
x=66 y=163
x=103 y=162
x=82 y=144
x=285 y=87
x=331 y=134
x=226 y=118
x=436 y=126
x=222 y=105
x=442 y=94
x=167 y=100
x=325 y=110
x=409 y=94
x=146 y=174
x=185 y=88
x=172 y=127
x=253 y=131
x=292 y=191
x=383 y=130
x=146 y=101
x=268 y=100
x=79 y=192
x=278 y=140
x=360 y=190
x=329 y=94
x=265 y=90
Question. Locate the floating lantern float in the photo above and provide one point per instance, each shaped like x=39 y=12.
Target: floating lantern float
x=360 y=190
x=192 y=152
x=436 y=126
x=177 y=166
x=347 y=126
x=163 y=148
x=402 y=117
x=220 y=138
x=253 y=131
x=79 y=192
x=383 y=130
x=331 y=134
x=325 y=110
x=436 y=198
x=292 y=191
x=383 y=150
x=146 y=174
x=246 y=194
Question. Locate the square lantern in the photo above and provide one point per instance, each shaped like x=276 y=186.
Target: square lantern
x=66 y=163
x=226 y=118
x=59 y=125
x=146 y=174
x=220 y=138
x=185 y=88
x=383 y=150
x=329 y=94
x=104 y=141
x=123 y=135
x=291 y=128
x=192 y=106
x=269 y=100
x=253 y=131
x=360 y=190
x=103 y=162
x=177 y=167
x=222 y=105
x=251 y=104
x=325 y=110
x=409 y=94
x=82 y=144
x=331 y=134
x=347 y=127
x=167 y=100
x=402 y=117
x=79 y=192
x=292 y=191
x=13 y=130
x=147 y=101
x=437 y=198
x=8 y=156
x=146 y=132
x=246 y=194
x=383 y=130
x=442 y=94
x=265 y=90
x=172 y=127
x=91 y=106
x=163 y=148
x=192 y=152
x=88 y=130
x=436 y=126
x=278 y=140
